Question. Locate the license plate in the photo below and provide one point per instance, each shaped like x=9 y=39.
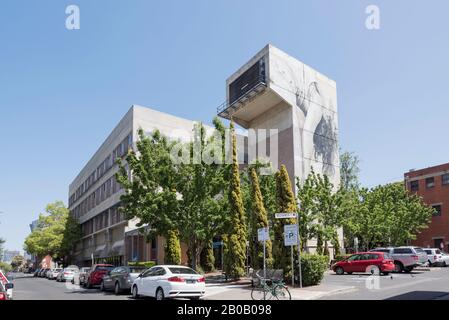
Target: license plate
x=190 y=281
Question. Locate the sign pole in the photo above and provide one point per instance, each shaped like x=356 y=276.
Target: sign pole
x=299 y=252
x=264 y=267
x=293 y=268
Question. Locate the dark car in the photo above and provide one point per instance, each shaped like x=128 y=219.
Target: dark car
x=36 y=272
x=43 y=272
x=120 y=279
x=365 y=262
x=96 y=274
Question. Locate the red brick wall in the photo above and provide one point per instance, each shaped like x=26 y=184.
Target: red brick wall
x=439 y=194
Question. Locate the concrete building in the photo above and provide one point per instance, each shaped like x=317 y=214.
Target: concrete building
x=8 y=255
x=432 y=185
x=94 y=195
x=294 y=104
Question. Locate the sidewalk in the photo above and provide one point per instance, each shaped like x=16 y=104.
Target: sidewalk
x=219 y=289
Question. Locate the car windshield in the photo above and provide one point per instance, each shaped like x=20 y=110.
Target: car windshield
x=179 y=270
x=387 y=256
x=428 y=251
x=419 y=249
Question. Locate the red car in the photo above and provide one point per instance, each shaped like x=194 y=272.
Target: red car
x=366 y=262
x=3 y=289
x=96 y=274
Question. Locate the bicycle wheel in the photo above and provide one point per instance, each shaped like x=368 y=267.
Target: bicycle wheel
x=257 y=293
x=281 y=293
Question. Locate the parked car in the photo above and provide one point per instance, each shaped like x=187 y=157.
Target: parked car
x=80 y=276
x=120 y=279
x=405 y=258
x=36 y=272
x=95 y=275
x=66 y=274
x=4 y=288
x=365 y=262
x=43 y=272
x=6 y=281
x=169 y=281
x=436 y=257
x=53 y=273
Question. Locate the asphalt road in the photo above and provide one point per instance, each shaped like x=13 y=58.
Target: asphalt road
x=27 y=287
x=417 y=285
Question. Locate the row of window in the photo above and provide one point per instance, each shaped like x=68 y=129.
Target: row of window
x=107 y=189
x=101 y=221
x=104 y=167
x=430 y=182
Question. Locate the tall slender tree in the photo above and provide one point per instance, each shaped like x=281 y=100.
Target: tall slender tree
x=286 y=203
x=237 y=232
x=259 y=220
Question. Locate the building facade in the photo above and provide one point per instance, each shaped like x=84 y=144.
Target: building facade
x=277 y=97
x=8 y=255
x=94 y=195
x=432 y=185
x=289 y=112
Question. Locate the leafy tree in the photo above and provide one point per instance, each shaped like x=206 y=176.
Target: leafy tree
x=321 y=211
x=387 y=215
x=286 y=202
x=172 y=248
x=55 y=234
x=259 y=220
x=349 y=171
x=150 y=194
x=208 y=258
x=202 y=185
x=17 y=261
x=236 y=233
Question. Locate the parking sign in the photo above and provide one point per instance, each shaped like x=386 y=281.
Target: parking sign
x=290 y=235
x=263 y=234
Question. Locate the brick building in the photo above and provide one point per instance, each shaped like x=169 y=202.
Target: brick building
x=432 y=184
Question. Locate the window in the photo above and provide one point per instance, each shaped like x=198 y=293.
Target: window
x=430 y=182
x=414 y=185
x=437 y=212
x=445 y=179
x=402 y=250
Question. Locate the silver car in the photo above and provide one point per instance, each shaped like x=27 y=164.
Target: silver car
x=66 y=274
x=80 y=276
x=405 y=258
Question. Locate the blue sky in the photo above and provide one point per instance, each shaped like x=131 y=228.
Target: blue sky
x=61 y=92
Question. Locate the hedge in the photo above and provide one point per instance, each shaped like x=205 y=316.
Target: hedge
x=313 y=267
x=146 y=264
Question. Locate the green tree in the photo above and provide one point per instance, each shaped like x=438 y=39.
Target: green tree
x=321 y=211
x=237 y=233
x=259 y=220
x=17 y=261
x=349 y=171
x=286 y=202
x=387 y=215
x=55 y=234
x=208 y=258
x=150 y=194
x=201 y=185
x=172 y=248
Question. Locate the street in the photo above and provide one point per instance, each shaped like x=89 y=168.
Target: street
x=428 y=285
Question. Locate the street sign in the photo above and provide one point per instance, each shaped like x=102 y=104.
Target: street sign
x=290 y=235
x=263 y=234
x=285 y=215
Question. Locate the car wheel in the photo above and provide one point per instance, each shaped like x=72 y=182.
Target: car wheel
x=102 y=286
x=398 y=267
x=430 y=264
x=160 y=294
x=408 y=269
x=73 y=281
x=339 y=271
x=88 y=284
x=117 y=289
x=135 y=292
x=444 y=264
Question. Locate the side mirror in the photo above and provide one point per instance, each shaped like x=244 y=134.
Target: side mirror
x=9 y=286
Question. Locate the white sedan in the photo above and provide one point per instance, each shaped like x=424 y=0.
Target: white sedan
x=169 y=281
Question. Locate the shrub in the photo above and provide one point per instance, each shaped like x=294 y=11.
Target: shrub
x=146 y=264
x=313 y=267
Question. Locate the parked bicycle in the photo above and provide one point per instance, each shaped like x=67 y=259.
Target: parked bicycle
x=270 y=288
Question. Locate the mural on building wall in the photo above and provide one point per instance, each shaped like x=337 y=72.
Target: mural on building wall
x=314 y=101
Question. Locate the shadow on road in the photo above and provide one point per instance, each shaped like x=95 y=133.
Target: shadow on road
x=419 y=295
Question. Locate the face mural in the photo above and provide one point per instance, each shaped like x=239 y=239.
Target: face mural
x=313 y=98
